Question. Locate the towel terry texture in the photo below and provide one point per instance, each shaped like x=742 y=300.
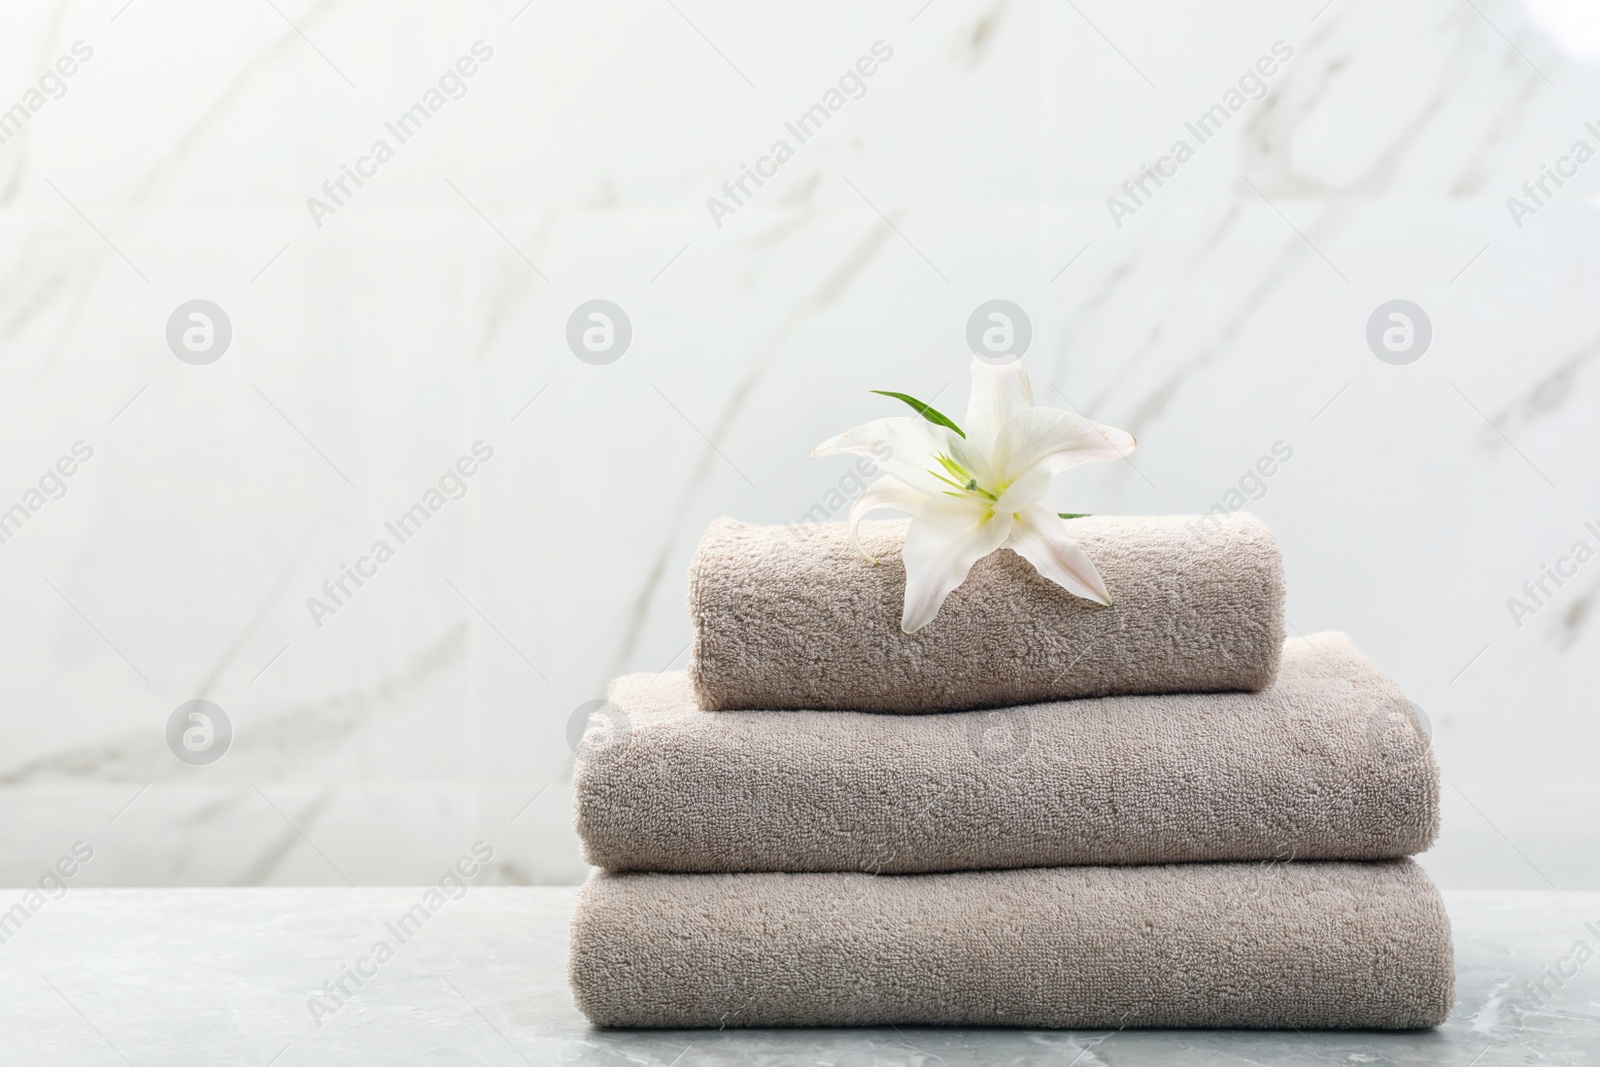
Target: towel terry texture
x=1221 y=945
x=793 y=617
x=1328 y=763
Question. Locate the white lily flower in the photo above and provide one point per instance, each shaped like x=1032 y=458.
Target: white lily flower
x=971 y=494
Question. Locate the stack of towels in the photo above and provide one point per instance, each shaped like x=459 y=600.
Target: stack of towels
x=1036 y=811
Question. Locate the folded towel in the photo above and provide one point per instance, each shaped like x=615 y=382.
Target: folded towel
x=1328 y=763
x=793 y=617
x=1299 y=944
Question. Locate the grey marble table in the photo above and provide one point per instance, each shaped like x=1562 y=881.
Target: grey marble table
x=215 y=976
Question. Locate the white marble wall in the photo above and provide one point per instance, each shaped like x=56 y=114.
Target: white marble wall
x=425 y=314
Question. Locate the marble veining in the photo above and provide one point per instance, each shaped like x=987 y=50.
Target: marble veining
x=369 y=350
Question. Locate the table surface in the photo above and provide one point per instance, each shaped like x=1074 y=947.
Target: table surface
x=213 y=976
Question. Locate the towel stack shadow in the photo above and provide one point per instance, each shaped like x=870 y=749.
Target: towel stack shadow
x=1035 y=811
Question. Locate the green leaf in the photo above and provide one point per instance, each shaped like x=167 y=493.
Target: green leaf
x=1070 y=515
x=927 y=411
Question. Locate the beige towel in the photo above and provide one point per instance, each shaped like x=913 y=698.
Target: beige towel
x=1300 y=944
x=792 y=617
x=1329 y=763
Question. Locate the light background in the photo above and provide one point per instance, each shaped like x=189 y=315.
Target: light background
x=369 y=353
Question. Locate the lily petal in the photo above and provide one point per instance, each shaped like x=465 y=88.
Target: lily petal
x=909 y=449
x=999 y=392
x=903 y=447
x=1028 y=489
x=1040 y=536
x=1056 y=440
x=887 y=493
x=947 y=536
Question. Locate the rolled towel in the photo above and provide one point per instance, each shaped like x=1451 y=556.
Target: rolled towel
x=1327 y=945
x=1328 y=763
x=793 y=617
